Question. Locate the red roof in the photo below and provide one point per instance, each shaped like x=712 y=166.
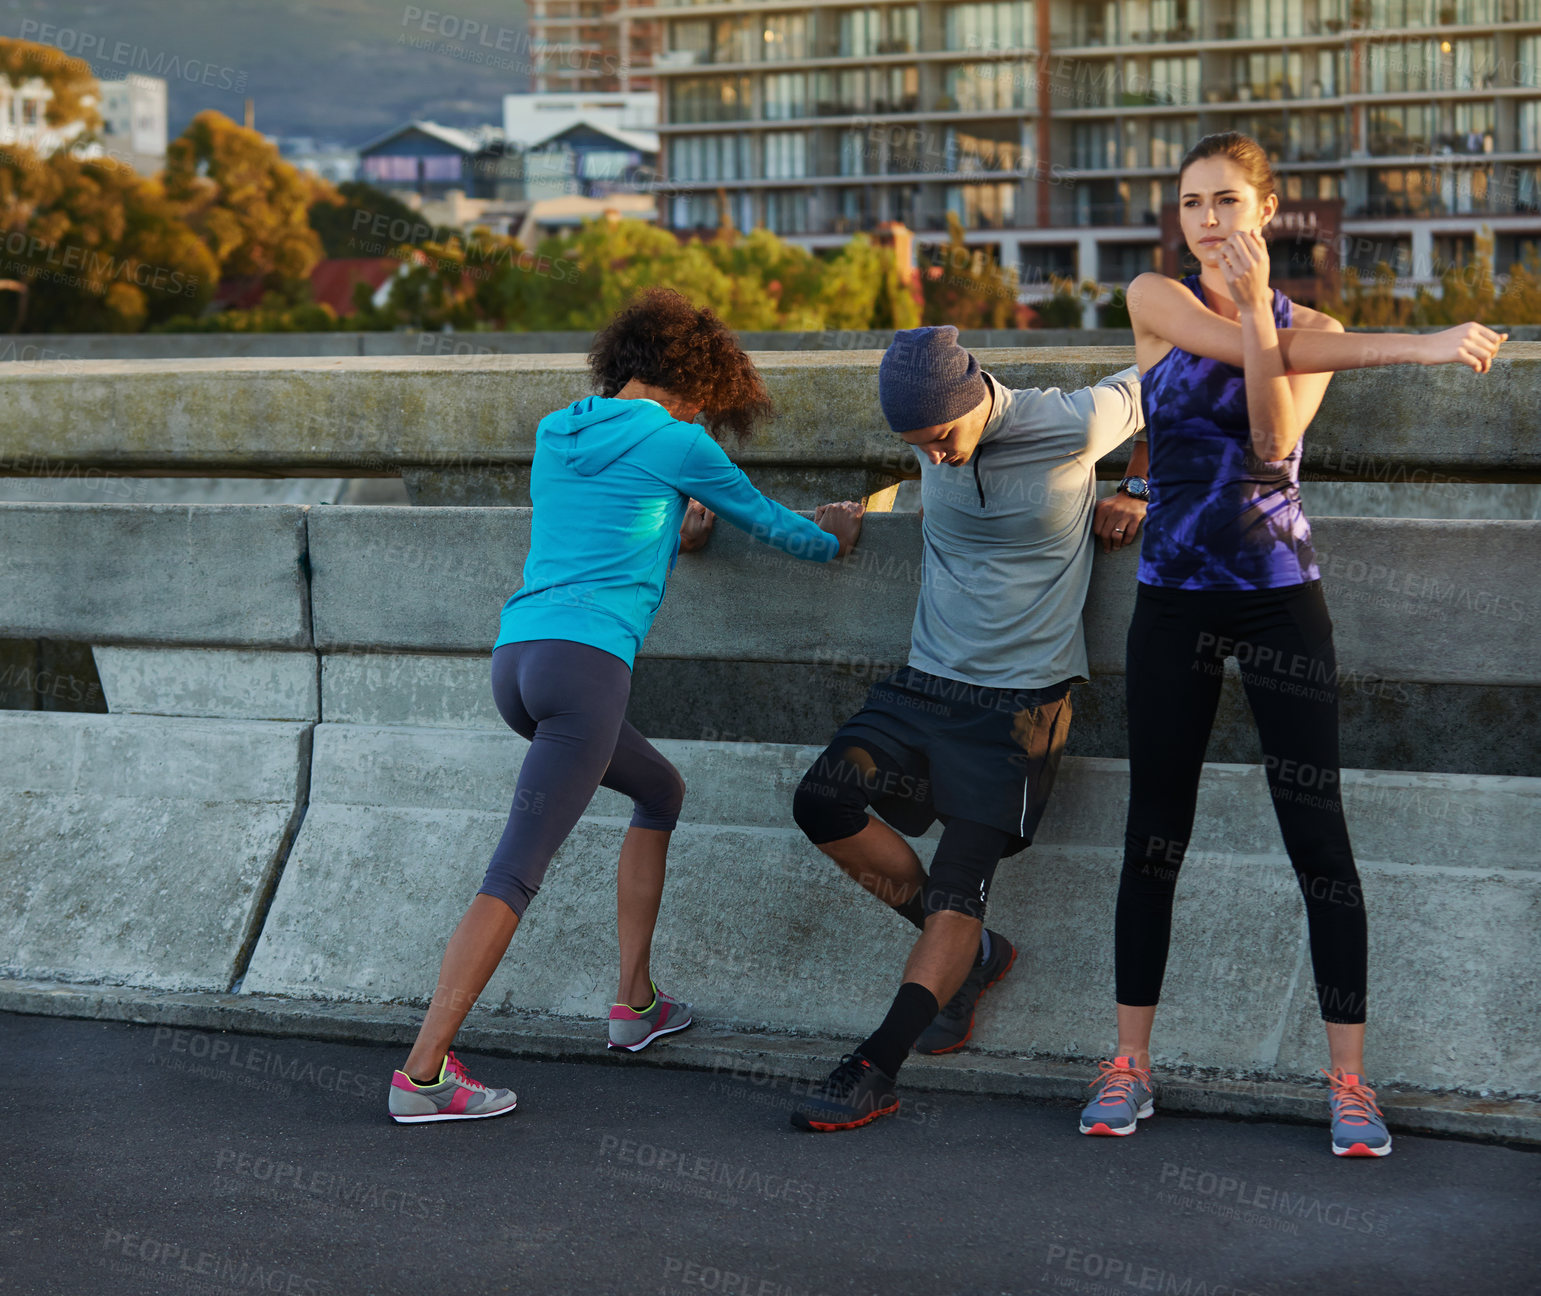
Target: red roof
x=331 y=282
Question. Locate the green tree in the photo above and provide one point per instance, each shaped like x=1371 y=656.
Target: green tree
x=246 y=203
x=966 y=286
x=346 y=220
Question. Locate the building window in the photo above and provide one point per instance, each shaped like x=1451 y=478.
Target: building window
x=1170 y=138
x=983 y=149
x=30 y=116
x=1094 y=146
x=1160 y=81
x=786 y=154
x=783 y=37
x=1312 y=137
x=989 y=87
x=786 y=213
x=695 y=211
x=892 y=30
x=984 y=206
x=994 y=25
x=854 y=148
x=1530 y=126
x=391 y=169
x=709 y=99
x=786 y=96
x=708 y=157
x=1257 y=19
x=1122 y=263
x=842 y=93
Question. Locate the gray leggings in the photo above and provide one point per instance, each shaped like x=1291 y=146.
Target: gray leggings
x=569 y=699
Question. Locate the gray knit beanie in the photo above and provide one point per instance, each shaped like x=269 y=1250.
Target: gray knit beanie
x=927 y=379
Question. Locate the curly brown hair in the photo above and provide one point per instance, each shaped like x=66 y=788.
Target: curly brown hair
x=659 y=338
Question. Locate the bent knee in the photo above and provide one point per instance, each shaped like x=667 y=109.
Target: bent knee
x=824 y=809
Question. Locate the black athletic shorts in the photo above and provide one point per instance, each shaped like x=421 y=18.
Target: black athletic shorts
x=965 y=751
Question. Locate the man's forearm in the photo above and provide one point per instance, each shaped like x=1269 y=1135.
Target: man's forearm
x=1139 y=461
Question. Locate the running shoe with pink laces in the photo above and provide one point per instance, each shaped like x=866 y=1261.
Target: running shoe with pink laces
x=1123 y=1100
x=1358 y=1129
x=633 y=1030
x=453 y=1096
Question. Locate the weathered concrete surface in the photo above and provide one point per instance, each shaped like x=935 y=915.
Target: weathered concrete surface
x=450 y=570
x=139 y=849
x=155 y=573
x=471 y=414
x=217 y=682
x=757 y=924
x=41 y=347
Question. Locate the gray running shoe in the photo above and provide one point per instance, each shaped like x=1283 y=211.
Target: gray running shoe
x=632 y=1030
x=453 y=1096
x=1123 y=1100
x=951 y=1028
x=1358 y=1128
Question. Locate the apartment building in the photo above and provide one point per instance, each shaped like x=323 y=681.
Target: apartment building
x=1052 y=129
x=589 y=45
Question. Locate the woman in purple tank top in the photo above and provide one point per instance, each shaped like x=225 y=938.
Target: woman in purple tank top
x=1232 y=372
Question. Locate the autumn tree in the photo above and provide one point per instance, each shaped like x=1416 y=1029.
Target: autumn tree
x=100 y=247
x=246 y=203
x=75 y=92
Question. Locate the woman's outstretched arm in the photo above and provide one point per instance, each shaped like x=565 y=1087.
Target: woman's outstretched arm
x=1167 y=310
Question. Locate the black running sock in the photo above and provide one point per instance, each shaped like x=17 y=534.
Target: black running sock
x=913 y=910
x=914 y=1009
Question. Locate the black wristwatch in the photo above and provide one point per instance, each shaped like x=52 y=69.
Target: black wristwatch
x=1136 y=488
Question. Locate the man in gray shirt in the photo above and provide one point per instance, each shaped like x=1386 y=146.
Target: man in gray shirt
x=971 y=730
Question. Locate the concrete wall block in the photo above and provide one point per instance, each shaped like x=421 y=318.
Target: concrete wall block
x=1410 y=599
x=150 y=757
x=435 y=690
x=222 y=682
x=137 y=850
x=323 y=414
x=211 y=574
x=1453 y=980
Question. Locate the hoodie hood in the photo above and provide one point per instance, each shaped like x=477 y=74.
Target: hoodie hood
x=592 y=433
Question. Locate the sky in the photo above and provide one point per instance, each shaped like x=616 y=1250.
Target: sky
x=342 y=71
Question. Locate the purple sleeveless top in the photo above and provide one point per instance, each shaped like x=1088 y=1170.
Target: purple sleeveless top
x=1219 y=518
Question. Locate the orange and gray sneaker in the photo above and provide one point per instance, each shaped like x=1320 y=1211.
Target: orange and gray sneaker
x=632 y=1029
x=1123 y=1100
x=1358 y=1129
x=453 y=1096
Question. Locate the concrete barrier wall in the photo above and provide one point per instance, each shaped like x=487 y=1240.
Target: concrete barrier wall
x=356 y=781
x=39 y=347
x=461 y=429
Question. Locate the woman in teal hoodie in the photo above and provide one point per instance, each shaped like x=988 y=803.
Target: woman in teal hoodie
x=612 y=479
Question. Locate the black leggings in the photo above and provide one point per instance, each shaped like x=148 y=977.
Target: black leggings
x=1282 y=641
x=569 y=699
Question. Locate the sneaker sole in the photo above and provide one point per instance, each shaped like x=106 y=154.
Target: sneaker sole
x=445 y=1116
x=1102 y=1127
x=646 y=1040
x=828 y=1127
x=969 y=1034
x=1360 y=1150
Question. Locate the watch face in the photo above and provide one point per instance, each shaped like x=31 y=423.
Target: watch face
x=1137 y=487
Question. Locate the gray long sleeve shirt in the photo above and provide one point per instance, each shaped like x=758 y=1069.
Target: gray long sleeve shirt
x=1008 y=536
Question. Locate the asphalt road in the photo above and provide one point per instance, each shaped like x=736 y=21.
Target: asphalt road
x=137 y=1159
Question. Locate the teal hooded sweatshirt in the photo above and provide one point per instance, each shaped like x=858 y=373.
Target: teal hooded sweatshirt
x=610 y=482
